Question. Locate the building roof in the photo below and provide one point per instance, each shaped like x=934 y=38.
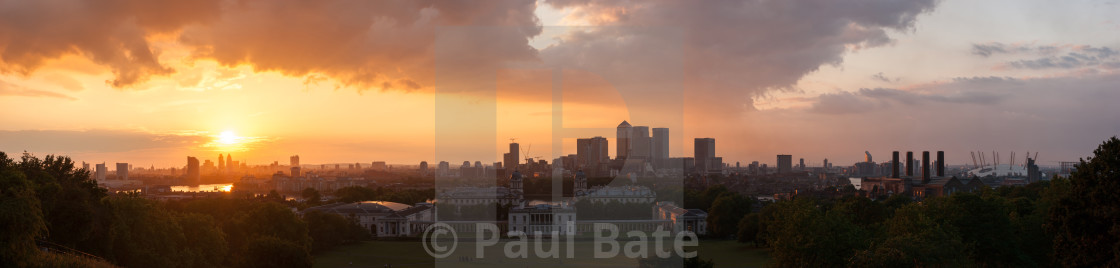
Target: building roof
x=624 y=124
x=671 y=207
x=364 y=207
x=477 y=192
x=619 y=191
x=695 y=212
x=413 y=210
x=942 y=181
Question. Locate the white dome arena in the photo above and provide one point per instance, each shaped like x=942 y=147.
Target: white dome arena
x=999 y=171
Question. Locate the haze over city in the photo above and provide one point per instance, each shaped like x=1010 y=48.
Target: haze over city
x=150 y=84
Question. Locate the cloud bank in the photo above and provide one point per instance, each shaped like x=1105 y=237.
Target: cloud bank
x=367 y=44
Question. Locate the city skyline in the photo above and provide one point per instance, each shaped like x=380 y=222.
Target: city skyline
x=903 y=76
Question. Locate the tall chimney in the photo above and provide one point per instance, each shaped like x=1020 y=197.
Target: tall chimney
x=909 y=164
x=940 y=163
x=894 y=164
x=925 y=167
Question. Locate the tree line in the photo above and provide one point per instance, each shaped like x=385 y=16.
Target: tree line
x=1070 y=222
x=48 y=200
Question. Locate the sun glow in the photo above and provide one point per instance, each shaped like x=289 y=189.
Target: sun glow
x=228 y=138
x=229 y=141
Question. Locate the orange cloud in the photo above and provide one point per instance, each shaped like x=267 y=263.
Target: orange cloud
x=365 y=44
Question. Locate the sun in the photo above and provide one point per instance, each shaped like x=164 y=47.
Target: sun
x=228 y=137
x=229 y=141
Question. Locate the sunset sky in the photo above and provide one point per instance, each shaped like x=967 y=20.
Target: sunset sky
x=151 y=82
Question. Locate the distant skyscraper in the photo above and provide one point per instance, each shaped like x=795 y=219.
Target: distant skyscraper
x=293 y=161
x=465 y=169
x=801 y=164
x=704 y=151
x=443 y=169
x=122 y=171
x=640 y=144
x=785 y=163
x=622 y=137
x=591 y=153
x=221 y=164
x=424 y=167
x=85 y=166
x=229 y=162
x=99 y=175
x=296 y=171
x=193 y=175
x=1033 y=175
x=511 y=159
x=381 y=166
x=660 y=144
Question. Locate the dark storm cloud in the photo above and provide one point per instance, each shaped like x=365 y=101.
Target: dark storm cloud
x=1062 y=117
x=913 y=98
x=881 y=77
x=974 y=91
x=988 y=49
x=994 y=48
x=1078 y=58
x=366 y=44
x=110 y=33
x=843 y=103
x=735 y=50
x=1050 y=56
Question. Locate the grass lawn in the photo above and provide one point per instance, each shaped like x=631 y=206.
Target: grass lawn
x=411 y=254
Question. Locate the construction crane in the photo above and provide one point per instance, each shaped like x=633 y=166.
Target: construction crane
x=974 y=163
x=526 y=151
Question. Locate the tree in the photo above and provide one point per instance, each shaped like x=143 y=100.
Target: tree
x=709 y=196
x=21 y=220
x=270 y=219
x=354 y=194
x=69 y=200
x=983 y=225
x=328 y=230
x=913 y=238
x=143 y=234
x=312 y=196
x=748 y=229
x=861 y=211
x=800 y=234
x=204 y=244
x=1085 y=220
x=725 y=213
